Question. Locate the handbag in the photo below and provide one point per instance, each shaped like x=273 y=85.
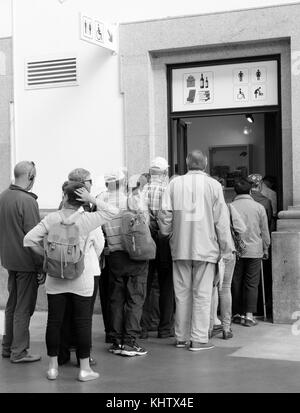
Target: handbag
x=239 y=245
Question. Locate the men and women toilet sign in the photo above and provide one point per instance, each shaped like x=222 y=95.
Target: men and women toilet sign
x=98 y=32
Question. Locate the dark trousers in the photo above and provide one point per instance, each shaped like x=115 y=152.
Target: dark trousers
x=244 y=286
x=104 y=292
x=163 y=265
x=81 y=317
x=128 y=281
x=22 y=289
x=68 y=330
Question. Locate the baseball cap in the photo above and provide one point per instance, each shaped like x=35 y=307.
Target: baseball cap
x=159 y=163
x=255 y=179
x=114 y=176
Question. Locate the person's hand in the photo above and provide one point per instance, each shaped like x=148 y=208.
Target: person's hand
x=227 y=257
x=84 y=195
x=265 y=256
x=41 y=278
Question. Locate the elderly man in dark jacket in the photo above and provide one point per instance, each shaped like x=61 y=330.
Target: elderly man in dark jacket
x=19 y=213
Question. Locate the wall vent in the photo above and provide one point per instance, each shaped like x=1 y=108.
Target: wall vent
x=51 y=73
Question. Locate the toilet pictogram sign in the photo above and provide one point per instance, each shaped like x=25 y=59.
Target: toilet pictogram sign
x=98 y=32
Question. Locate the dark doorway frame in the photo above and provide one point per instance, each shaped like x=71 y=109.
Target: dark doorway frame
x=269 y=111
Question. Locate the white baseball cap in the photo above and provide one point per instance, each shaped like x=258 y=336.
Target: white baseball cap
x=159 y=163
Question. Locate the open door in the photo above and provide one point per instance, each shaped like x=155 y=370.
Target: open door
x=179 y=134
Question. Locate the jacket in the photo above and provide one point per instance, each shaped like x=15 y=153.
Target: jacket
x=256 y=237
x=19 y=213
x=195 y=215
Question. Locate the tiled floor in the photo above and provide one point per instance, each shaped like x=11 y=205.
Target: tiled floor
x=265 y=358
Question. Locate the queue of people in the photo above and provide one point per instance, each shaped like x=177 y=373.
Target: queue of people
x=80 y=249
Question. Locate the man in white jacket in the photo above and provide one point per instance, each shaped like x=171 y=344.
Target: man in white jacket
x=196 y=218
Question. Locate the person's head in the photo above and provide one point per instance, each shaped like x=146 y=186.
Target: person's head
x=25 y=173
x=196 y=161
x=144 y=179
x=256 y=182
x=242 y=187
x=70 y=197
x=115 y=180
x=159 y=166
x=81 y=175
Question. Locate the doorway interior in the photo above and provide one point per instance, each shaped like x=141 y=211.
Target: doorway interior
x=236 y=145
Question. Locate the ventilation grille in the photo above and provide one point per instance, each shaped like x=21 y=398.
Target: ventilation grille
x=51 y=73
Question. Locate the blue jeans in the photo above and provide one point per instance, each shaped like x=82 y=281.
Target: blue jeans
x=22 y=288
x=225 y=295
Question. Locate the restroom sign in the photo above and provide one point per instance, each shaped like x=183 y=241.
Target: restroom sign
x=98 y=32
x=225 y=86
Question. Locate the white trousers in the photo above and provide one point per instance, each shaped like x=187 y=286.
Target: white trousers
x=193 y=285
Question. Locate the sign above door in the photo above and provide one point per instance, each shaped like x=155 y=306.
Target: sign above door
x=225 y=86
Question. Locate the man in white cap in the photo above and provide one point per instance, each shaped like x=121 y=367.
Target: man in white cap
x=153 y=192
x=127 y=278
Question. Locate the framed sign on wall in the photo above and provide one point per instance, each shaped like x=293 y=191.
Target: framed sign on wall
x=225 y=86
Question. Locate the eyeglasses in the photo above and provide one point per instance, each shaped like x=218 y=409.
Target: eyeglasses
x=89 y=180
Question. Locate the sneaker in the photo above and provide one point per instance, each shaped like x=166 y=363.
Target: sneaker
x=196 y=346
x=29 y=358
x=181 y=344
x=133 y=350
x=249 y=322
x=115 y=348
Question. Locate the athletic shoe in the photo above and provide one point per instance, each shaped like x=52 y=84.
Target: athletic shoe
x=29 y=358
x=115 y=348
x=133 y=350
x=181 y=344
x=196 y=346
x=249 y=322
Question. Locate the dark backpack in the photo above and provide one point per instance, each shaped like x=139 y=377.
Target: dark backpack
x=136 y=236
x=63 y=257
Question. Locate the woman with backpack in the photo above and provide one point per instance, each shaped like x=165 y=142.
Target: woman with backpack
x=69 y=251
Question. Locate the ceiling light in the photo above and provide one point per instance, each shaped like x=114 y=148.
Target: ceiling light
x=249 y=118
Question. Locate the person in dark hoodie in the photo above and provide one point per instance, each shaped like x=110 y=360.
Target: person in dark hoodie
x=19 y=213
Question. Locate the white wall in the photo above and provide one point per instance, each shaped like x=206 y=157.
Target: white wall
x=64 y=128
x=5 y=18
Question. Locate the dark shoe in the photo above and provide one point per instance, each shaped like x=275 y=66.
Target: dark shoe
x=133 y=349
x=237 y=319
x=165 y=335
x=29 y=358
x=181 y=344
x=144 y=335
x=115 y=348
x=196 y=346
x=249 y=322
x=227 y=335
